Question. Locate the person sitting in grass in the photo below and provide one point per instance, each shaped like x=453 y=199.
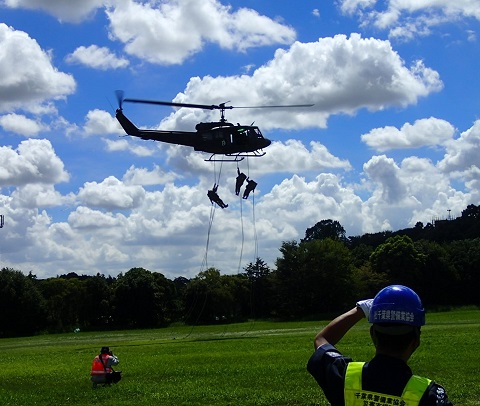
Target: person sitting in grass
x=396 y=314
x=102 y=371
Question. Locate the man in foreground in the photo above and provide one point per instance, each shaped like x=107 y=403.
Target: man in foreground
x=396 y=314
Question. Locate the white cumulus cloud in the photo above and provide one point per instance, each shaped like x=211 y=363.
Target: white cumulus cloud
x=27 y=75
x=111 y=194
x=170 y=32
x=339 y=75
x=71 y=11
x=424 y=132
x=34 y=161
x=407 y=19
x=19 y=124
x=97 y=57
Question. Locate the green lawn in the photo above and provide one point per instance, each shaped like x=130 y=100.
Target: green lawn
x=255 y=363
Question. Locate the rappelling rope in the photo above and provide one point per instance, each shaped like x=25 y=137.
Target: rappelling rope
x=253 y=219
x=243 y=234
x=204 y=265
x=252 y=299
x=216 y=181
x=255 y=251
x=254 y=228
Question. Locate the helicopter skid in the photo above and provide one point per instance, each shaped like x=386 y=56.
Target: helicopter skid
x=235 y=157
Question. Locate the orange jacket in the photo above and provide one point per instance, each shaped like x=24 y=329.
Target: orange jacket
x=98 y=367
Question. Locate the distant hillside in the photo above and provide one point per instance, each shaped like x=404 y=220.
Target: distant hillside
x=465 y=227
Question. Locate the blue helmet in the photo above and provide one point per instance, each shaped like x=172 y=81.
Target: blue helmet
x=397 y=304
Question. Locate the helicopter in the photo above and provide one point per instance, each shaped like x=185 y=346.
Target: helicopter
x=235 y=142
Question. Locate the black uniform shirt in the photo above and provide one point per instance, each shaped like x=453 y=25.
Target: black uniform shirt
x=382 y=374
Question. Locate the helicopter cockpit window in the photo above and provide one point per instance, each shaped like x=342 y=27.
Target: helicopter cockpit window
x=254 y=133
x=240 y=136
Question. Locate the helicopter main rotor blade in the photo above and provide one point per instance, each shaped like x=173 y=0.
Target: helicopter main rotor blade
x=274 y=107
x=221 y=106
x=192 y=105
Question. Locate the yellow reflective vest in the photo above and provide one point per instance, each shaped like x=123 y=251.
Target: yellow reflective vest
x=356 y=396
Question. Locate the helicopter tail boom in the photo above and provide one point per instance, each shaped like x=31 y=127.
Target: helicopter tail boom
x=127 y=125
x=172 y=137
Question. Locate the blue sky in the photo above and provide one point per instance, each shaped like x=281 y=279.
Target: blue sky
x=393 y=137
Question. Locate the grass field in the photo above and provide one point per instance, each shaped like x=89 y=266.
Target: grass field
x=255 y=363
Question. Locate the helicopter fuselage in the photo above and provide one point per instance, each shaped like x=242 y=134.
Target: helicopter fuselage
x=215 y=138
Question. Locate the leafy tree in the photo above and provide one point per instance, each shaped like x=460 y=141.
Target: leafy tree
x=372 y=240
x=439 y=279
x=468 y=225
x=165 y=296
x=258 y=274
x=98 y=302
x=140 y=299
x=286 y=280
x=214 y=298
x=325 y=229
x=472 y=212
x=366 y=282
x=313 y=277
x=22 y=306
x=64 y=301
x=465 y=257
x=399 y=260
x=258 y=270
x=361 y=254
x=180 y=283
x=241 y=288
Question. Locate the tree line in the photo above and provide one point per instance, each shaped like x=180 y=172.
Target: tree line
x=323 y=273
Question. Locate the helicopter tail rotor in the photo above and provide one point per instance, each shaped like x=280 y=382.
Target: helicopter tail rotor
x=120 y=98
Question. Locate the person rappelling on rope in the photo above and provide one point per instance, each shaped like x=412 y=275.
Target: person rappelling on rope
x=214 y=198
x=251 y=185
x=239 y=181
